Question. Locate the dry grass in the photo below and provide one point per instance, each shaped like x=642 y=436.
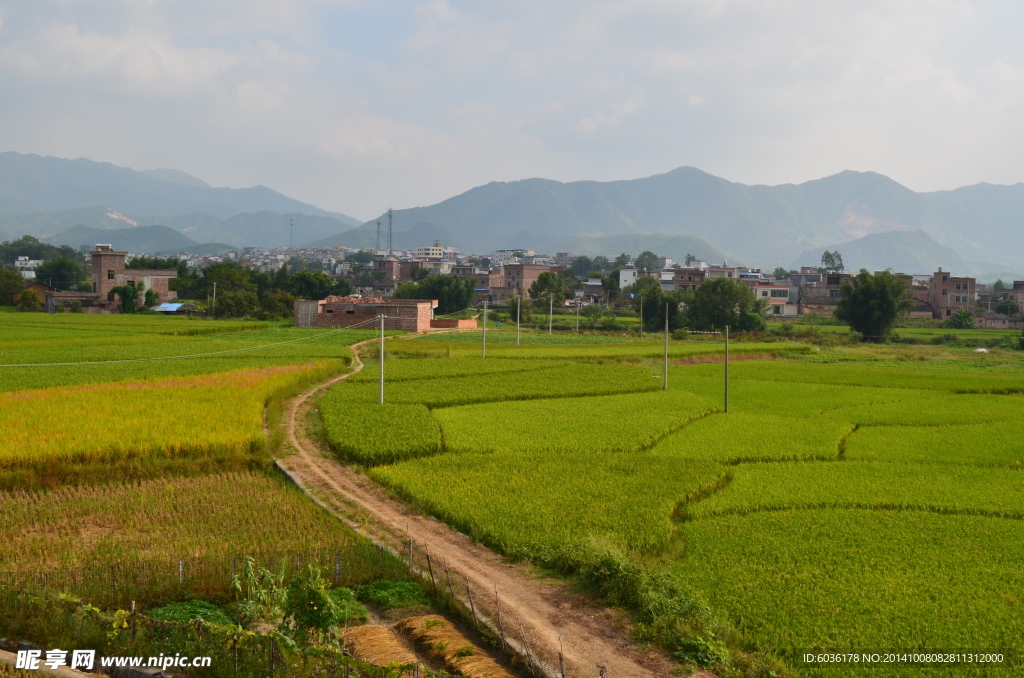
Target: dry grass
x=377 y=645
x=441 y=642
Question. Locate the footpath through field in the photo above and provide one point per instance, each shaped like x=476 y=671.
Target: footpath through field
x=594 y=638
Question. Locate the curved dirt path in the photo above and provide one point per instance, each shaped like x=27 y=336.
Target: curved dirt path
x=594 y=638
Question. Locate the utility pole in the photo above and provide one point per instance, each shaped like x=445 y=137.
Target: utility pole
x=483 y=345
x=577 y=317
x=551 y=308
x=519 y=308
x=390 y=212
x=641 y=316
x=665 y=387
x=378 y=239
x=214 y=298
x=727 y=369
x=381 y=358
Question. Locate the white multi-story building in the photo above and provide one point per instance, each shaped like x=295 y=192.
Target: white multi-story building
x=501 y=257
x=27 y=267
x=777 y=297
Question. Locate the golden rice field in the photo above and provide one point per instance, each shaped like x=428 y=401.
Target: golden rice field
x=139 y=429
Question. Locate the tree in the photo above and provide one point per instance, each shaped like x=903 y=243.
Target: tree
x=689 y=259
x=999 y=285
x=64 y=273
x=1007 y=306
x=11 y=283
x=307 y=284
x=780 y=272
x=872 y=303
x=581 y=266
x=76 y=306
x=129 y=296
x=724 y=302
x=30 y=247
x=650 y=301
x=452 y=294
x=28 y=301
x=277 y=304
x=962 y=320
x=236 y=304
x=546 y=285
x=515 y=304
x=621 y=260
x=601 y=263
x=832 y=261
x=592 y=314
x=647 y=260
x=152 y=298
x=360 y=257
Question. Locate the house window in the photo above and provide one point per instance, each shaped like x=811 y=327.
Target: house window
x=329 y=311
x=945 y=292
x=945 y=278
x=779 y=294
x=110 y=274
x=948 y=312
x=764 y=293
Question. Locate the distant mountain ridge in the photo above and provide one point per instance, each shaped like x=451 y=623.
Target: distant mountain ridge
x=677 y=211
x=145 y=239
x=761 y=225
x=30 y=184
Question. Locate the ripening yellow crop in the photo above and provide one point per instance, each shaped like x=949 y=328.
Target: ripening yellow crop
x=171 y=417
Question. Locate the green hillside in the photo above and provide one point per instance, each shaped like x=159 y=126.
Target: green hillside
x=147 y=239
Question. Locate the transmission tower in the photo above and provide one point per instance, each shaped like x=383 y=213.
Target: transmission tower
x=378 y=237
x=390 y=212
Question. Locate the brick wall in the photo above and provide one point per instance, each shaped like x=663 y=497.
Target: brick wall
x=409 y=315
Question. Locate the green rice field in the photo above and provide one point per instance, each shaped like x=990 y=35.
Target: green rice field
x=852 y=500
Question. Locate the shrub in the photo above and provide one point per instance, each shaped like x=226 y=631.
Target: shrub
x=389 y=594
x=193 y=609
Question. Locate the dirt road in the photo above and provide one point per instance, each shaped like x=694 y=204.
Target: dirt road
x=593 y=637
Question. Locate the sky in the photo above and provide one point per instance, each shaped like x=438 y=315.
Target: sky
x=356 y=106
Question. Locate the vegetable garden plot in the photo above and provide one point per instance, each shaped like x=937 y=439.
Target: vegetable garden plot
x=374 y=434
x=617 y=423
x=999 y=443
x=735 y=437
x=560 y=381
x=885 y=486
x=857 y=580
x=533 y=503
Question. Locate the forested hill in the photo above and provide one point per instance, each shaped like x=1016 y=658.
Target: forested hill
x=758 y=224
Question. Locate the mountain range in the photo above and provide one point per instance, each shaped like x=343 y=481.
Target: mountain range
x=872 y=220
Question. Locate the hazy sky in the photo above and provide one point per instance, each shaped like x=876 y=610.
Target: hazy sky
x=356 y=105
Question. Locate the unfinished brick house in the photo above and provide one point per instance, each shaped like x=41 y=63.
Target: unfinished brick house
x=411 y=315
x=109 y=271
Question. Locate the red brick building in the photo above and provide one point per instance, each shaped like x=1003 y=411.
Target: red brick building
x=109 y=271
x=947 y=294
x=412 y=315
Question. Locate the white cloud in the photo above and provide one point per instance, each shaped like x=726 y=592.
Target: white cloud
x=355 y=105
